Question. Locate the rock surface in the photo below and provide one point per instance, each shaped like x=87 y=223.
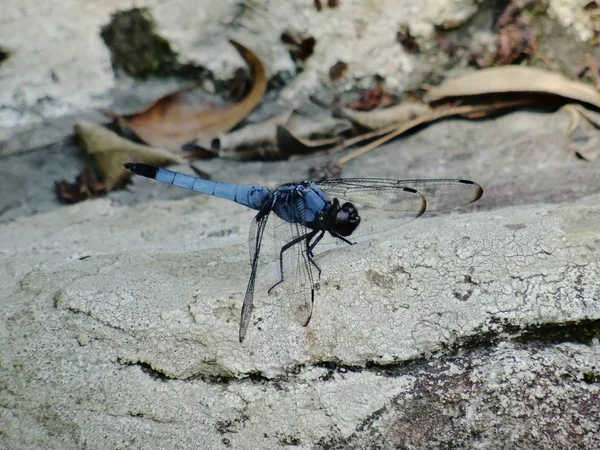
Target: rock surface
x=475 y=328
x=111 y=310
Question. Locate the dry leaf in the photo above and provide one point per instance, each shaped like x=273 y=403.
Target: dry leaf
x=110 y=151
x=302 y=135
x=178 y=118
x=290 y=143
x=315 y=128
x=499 y=80
x=338 y=70
x=372 y=98
x=239 y=85
x=86 y=186
x=593 y=67
x=584 y=134
x=516 y=42
x=407 y=40
x=509 y=15
x=382 y=117
x=301 y=45
x=388 y=133
x=261 y=140
x=253 y=141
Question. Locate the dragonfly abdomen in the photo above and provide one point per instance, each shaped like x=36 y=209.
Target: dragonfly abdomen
x=250 y=195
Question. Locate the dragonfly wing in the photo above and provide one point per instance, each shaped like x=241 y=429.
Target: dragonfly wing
x=398 y=194
x=257 y=229
x=294 y=266
x=384 y=204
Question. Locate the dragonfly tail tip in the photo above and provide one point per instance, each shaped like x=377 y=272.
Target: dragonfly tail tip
x=144 y=170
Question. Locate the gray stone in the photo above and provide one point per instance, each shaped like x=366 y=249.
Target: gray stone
x=475 y=328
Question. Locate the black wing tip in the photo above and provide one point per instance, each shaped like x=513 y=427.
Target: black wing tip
x=423 y=207
x=478 y=189
x=144 y=170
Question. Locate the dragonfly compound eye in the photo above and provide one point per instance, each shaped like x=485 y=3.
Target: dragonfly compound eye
x=346 y=219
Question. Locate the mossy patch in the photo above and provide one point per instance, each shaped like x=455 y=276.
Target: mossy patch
x=591 y=377
x=582 y=332
x=140 y=52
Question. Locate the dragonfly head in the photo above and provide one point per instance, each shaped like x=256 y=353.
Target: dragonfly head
x=346 y=219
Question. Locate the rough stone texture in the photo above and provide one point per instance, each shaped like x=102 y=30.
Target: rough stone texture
x=573 y=14
x=470 y=329
x=112 y=323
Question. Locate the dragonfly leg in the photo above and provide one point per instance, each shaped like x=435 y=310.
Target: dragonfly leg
x=336 y=235
x=309 y=251
x=287 y=246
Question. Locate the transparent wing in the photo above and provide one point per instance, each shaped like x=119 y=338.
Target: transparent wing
x=257 y=229
x=384 y=204
x=397 y=194
x=295 y=275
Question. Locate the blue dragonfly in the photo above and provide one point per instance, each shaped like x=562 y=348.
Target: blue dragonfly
x=306 y=211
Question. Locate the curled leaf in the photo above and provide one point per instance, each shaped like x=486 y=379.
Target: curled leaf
x=181 y=117
x=498 y=80
x=584 y=134
x=290 y=143
x=86 y=186
x=382 y=117
x=316 y=128
x=266 y=140
x=110 y=151
x=253 y=141
x=376 y=97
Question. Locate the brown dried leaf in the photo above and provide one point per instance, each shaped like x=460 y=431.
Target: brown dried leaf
x=258 y=140
x=239 y=85
x=110 y=151
x=407 y=40
x=509 y=15
x=86 y=186
x=584 y=134
x=376 y=97
x=262 y=140
x=176 y=119
x=515 y=42
x=499 y=80
x=387 y=133
x=290 y=143
x=382 y=117
x=338 y=70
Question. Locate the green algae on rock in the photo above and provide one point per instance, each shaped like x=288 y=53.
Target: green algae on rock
x=138 y=50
